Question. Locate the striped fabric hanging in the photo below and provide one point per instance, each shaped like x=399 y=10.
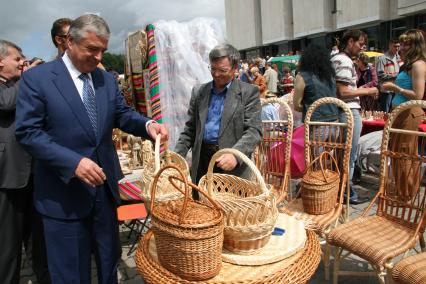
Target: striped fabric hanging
x=139 y=91
x=154 y=81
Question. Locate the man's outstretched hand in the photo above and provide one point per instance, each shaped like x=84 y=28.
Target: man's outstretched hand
x=90 y=173
x=157 y=128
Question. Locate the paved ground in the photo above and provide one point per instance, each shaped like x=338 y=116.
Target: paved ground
x=128 y=274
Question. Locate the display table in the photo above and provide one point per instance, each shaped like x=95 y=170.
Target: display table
x=372 y=125
x=377 y=125
x=296 y=269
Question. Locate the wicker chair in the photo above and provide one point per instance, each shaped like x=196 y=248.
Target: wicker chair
x=411 y=270
x=320 y=137
x=273 y=153
x=399 y=220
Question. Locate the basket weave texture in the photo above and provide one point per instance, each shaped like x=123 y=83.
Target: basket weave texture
x=295 y=269
x=250 y=209
x=188 y=234
x=152 y=163
x=411 y=270
x=320 y=187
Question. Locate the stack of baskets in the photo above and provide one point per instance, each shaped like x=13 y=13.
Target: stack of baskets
x=320 y=187
x=188 y=234
x=152 y=162
x=249 y=207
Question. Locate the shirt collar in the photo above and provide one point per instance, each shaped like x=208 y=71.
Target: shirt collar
x=3 y=80
x=71 y=67
x=224 y=89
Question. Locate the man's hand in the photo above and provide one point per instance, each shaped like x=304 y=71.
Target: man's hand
x=226 y=162
x=90 y=173
x=373 y=92
x=155 y=128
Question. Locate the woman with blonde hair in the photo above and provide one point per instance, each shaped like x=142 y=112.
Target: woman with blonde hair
x=409 y=85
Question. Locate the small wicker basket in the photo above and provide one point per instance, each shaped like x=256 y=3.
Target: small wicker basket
x=320 y=188
x=188 y=234
x=153 y=161
x=250 y=209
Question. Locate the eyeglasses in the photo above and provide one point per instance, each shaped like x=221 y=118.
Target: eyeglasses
x=219 y=70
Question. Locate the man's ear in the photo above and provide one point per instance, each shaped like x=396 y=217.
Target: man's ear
x=69 y=40
x=1 y=63
x=57 y=40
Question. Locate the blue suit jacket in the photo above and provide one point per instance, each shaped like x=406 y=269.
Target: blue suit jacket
x=53 y=126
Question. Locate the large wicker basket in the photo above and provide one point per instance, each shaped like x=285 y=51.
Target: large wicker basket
x=249 y=206
x=188 y=234
x=320 y=187
x=152 y=163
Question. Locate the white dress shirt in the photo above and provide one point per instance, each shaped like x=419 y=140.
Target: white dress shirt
x=75 y=75
x=79 y=83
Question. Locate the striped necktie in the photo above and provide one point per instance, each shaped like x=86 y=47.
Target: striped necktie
x=89 y=100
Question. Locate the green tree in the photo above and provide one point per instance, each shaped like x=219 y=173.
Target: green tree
x=113 y=61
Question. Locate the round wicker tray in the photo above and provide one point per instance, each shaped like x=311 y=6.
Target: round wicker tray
x=295 y=269
x=278 y=247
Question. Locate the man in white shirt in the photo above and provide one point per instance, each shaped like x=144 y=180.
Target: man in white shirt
x=353 y=41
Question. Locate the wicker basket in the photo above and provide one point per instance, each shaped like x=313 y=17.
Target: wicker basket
x=250 y=209
x=321 y=187
x=153 y=161
x=188 y=234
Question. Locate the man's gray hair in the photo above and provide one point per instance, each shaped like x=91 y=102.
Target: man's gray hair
x=88 y=23
x=225 y=50
x=4 y=48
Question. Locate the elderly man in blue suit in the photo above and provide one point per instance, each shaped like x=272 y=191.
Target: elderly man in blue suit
x=66 y=112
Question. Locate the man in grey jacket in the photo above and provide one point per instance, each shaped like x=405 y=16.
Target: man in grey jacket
x=15 y=172
x=223 y=113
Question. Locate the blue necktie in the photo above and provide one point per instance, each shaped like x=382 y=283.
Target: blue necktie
x=89 y=100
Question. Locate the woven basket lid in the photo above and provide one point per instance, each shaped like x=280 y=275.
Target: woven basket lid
x=317 y=177
x=196 y=214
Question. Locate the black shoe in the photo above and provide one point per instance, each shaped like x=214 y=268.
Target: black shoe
x=358 y=200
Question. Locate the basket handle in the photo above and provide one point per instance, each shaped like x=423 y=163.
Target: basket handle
x=157 y=149
x=194 y=186
x=322 y=162
x=154 y=188
x=238 y=154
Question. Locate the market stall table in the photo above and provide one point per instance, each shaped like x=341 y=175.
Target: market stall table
x=296 y=269
x=378 y=124
x=372 y=125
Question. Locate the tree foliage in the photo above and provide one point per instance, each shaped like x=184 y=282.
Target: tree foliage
x=113 y=61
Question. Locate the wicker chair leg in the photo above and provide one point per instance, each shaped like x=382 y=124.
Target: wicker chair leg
x=381 y=275
x=422 y=243
x=337 y=254
x=348 y=194
x=326 y=259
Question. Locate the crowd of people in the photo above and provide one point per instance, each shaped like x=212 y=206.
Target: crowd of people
x=59 y=168
x=346 y=72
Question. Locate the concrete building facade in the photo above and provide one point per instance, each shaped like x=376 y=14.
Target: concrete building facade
x=275 y=27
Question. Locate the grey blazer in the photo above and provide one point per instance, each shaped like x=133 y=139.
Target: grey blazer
x=240 y=126
x=15 y=163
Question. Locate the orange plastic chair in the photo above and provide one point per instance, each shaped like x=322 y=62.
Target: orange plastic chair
x=133 y=213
